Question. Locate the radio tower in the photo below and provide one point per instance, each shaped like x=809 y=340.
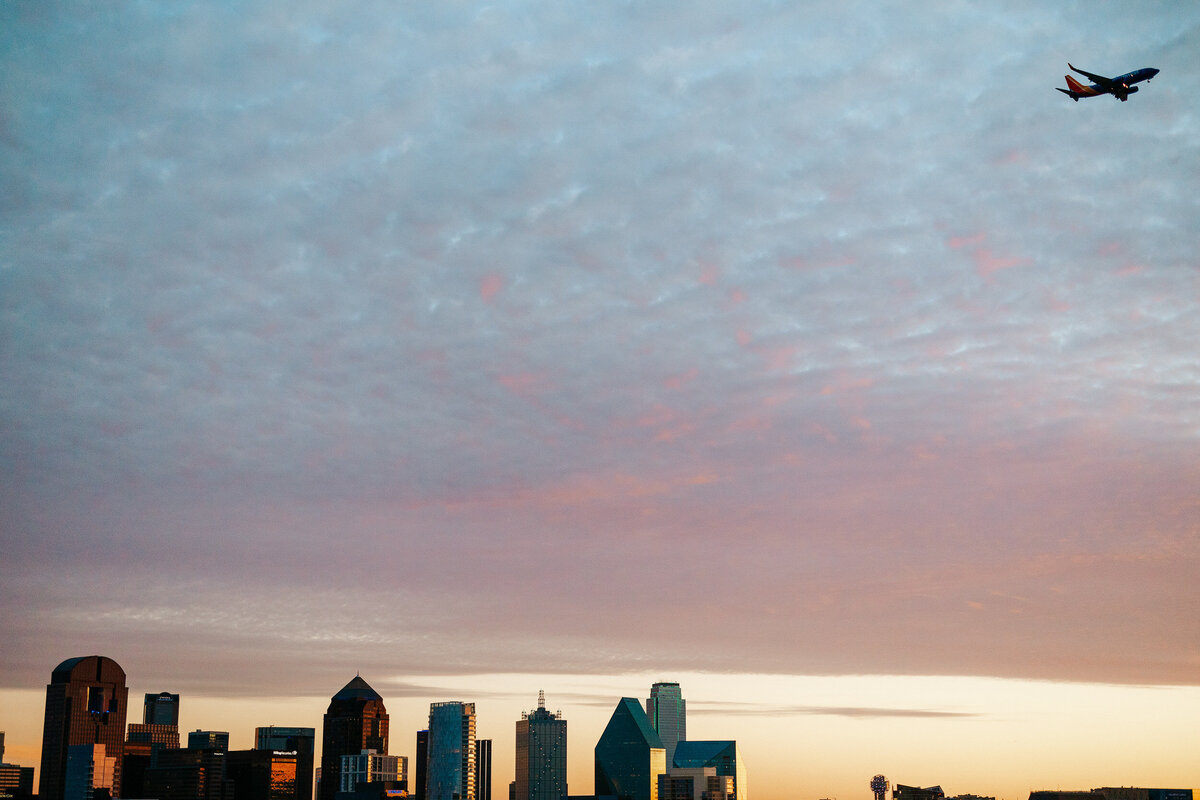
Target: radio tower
x=879 y=785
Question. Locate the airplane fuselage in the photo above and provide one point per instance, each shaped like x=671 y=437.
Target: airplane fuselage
x=1119 y=87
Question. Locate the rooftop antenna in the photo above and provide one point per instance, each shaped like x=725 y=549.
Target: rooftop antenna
x=542 y=698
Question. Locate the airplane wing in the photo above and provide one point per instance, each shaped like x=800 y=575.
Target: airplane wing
x=1099 y=79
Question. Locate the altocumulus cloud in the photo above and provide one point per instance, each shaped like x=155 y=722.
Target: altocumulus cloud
x=832 y=328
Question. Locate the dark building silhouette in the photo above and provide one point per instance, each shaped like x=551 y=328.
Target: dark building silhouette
x=192 y=774
x=161 y=709
x=208 y=740
x=85 y=705
x=262 y=774
x=135 y=760
x=302 y=741
x=419 y=768
x=355 y=721
x=902 y=792
x=162 y=735
x=143 y=739
x=483 y=769
x=629 y=755
x=16 y=781
x=1113 y=793
x=541 y=755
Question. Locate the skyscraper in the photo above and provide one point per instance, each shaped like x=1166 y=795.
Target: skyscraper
x=161 y=709
x=422 y=759
x=85 y=704
x=355 y=721
x=723 y=755
x=301 y=740
x=668 y=716
x=263 y=774
x=483 y=769
x=450 y=771
x=541 y=755
x=629 y=755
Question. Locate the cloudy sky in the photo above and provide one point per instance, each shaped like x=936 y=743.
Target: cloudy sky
x=444 y=339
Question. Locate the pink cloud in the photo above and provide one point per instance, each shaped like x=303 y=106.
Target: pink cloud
x=956 y=242
x=682 y=379
x=489 y=285
x=986 y=263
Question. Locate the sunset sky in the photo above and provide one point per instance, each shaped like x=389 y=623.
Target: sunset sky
x=820 y=356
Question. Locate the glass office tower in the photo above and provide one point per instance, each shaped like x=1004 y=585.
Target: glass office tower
x=668 y=716
x=724 y=755
x=541 y=755
x=450 y=767
x=161 y=709
x=85 y=704
x=629 y=755
x=301 y=740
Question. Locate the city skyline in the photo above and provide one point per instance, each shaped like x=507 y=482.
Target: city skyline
x=482 y=349
x=906 y=743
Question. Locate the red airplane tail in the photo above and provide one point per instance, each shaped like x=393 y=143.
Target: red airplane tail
x=1075 y=86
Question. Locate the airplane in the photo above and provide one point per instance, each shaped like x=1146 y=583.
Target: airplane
x=1119 y=87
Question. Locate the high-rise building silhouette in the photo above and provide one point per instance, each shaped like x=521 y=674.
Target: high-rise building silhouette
x=356 y=720
x=189 y=774
x=208 y=740
x=422 y=759
x=450 y=771
x=263 y=774
x=629 y=755
x=483 y=769
x=541 y=755
x=667 y=712
x=161 y=709
x=723 y=755
x=85 y=705
x=302 y=741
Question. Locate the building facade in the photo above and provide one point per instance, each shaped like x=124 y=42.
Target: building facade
x=161 y=709
x=629 y=754
x=152 y=734
x=371 y=767
x=16 y=781
x=85 y=705
x=263 y=774
x=450 y=763
x=91 y=772
x=208 y=740
x=541 y=755
x=667 y=712
x=722 y=755
x=356 y=720
x=422 y=759
x=301 y=741
x=191 y=774
x=483 y=769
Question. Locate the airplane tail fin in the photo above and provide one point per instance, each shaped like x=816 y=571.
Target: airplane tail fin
x=1075 y=85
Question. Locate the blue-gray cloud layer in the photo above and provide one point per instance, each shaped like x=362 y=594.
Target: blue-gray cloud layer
x=578 y=330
